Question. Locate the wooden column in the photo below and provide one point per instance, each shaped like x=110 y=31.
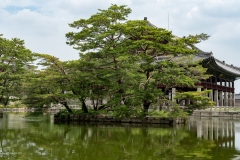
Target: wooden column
x=173 y=94
x=225 y=99
x=233 y=99
x=199 y=129
x=216 y=97
x=210 y=95
x=221 y=98
x=229 y=99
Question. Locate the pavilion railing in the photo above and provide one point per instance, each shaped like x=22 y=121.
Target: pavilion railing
x=209 y=85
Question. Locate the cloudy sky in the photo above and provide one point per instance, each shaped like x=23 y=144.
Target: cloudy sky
x=42 y=24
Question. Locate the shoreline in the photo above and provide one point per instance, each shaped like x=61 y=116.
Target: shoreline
x=111 y=119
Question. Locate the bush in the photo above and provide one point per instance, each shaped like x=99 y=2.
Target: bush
x=125 y=111
x=17 y=104
x=157 y=113
x=178 y=112
x=62 y=113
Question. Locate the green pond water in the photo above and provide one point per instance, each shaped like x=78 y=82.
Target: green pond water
x=33 y=136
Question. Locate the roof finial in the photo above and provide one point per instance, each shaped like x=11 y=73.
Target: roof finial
x=211 y=53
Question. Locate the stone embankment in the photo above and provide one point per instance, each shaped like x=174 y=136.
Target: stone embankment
x=209 y=113
x=50 y=110
x=19 y=109
x=111 y=119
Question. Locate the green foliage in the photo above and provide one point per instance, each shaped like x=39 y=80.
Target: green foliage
x=178 y=112
x=175 y=112
x=17 y=104
x=62 y=113
x=160 y=113
x=107 y=68
x=182 y=71
x=198 y=99
x=117 y=64
x=117 y=60
x=124 y=111
x=15 y=63
x=49 y=85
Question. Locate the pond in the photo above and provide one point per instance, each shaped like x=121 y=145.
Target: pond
x=35 y=136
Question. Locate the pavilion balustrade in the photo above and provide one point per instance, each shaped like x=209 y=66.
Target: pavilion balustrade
x=216 y=87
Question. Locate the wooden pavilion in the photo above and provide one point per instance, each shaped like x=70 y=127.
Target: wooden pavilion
x=221 y=83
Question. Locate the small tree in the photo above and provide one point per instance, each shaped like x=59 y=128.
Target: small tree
x=198 y=100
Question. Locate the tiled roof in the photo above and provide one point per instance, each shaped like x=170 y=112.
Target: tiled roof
x=149 y=23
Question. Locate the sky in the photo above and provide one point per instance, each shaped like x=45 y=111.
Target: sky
x=42 y=24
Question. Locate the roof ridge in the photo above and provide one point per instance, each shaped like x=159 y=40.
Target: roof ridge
x=223 y=63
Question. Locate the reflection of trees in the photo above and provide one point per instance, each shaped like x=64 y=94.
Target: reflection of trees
x=42 y=140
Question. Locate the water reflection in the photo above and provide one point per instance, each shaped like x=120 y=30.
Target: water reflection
x=222 y=131
x=219 y=129
x=28 y=136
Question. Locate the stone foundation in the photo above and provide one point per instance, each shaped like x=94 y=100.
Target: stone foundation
x=204 y=113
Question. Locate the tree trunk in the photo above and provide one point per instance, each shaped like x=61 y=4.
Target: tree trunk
x=84 y=106
x=67 y=107
x=161 y=107
x=146 y=105
x=6 y=102
x=94 y=106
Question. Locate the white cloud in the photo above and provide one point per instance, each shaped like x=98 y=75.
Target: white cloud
x=21 y=3
x=192 y=12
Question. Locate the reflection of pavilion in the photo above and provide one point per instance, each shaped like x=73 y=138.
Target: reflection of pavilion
x=214 y=128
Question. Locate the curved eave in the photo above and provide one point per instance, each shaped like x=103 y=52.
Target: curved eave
x=226 y=70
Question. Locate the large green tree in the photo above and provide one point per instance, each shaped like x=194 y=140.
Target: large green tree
x=83 y=83
x=151 y=43
x=50 y=84
x=103 y=43
x=122 y=53
x=15 y=61
x=59 y=82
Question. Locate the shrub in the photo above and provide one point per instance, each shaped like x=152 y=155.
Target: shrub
x=157 y=113
x=178 y=112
